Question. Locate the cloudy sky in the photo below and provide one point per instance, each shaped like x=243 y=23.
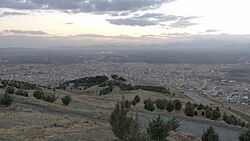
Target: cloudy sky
x=42 y=23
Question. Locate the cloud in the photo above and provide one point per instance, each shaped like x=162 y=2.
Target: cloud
x=211 y=30
x=25 y=32
x=3 y=14
x=182 y=24
x=149 y=19
x=83 y=5
x=69 y=23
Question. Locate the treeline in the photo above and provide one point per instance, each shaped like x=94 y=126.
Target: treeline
x=18 y=84
x=85 y=82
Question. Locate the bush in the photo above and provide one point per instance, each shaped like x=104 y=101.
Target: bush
x=210 y=135
x=22 y=92
x=6 y=100
x=216 y=113
x=177 y=104
x=123 y=126
x=245 y=136
x=49 y=98
x=230 y=119
x=170 y=106
x=149 y=105
x=209 y=113
x=159 y=129
x=126 y=103
x=137 y=98
x=38 y=94
x=66 y=100
x=107 y=90
x=134 y=103
x=200 y=107
x=9 y=90
x=189 y=109
x=160 y=104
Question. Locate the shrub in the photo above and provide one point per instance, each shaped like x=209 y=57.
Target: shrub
x=22 y=92
x=177 y=104
x=133 y=102
x=200 y=107
x=49 y=98
x=137 y=98
x=66 y=100
x=38 y=94
x=149 y=105
x=245 y=136
x=189 y=109
x=170 y=106
x=216 y=113
x=209 y=113
x=126 y=103
x=9 y=90
x=123 y=126
x=210 y=135
x=195 y=113
x=6 y=100
x=160 y=104
x=159 y=129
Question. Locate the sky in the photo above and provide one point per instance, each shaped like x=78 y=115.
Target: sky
x=44 y=23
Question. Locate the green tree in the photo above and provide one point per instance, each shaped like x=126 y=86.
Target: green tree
x=160 y=104
x=22 y=92
x=170 y=106
x=177 y=104
x=216 y=113
x=137 y=98
x=123 y=126
x=149 y=105
x=49 y=98
x=6 y=100
x=245 y=136
x=200 y=106
x=209 y=113
x=38 y=94
x=66 y=100
x=158 y=129
x=210 y=135
x=9 y=90
x=189 y=109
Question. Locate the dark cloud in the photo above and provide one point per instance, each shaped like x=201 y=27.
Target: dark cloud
x=150 y=19
x=12 y=14
x=24 y=32
x=83 y=5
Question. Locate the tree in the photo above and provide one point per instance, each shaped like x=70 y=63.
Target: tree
x=200 y=106
x=50 y=98
x=245 y=136
x=160 y=104
x=177 y=104
x=209 y=113
x=123 y=126
x=159 y=129
x=66 y=100
x=216 y=113
x=170 y=106
x=189 y=109
x=9 y=90
x=6 y=100
x=22 y=92
x=38 y=94
x=137 y=98
x=149 y=105
x=210 y=135
x=133 y=102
